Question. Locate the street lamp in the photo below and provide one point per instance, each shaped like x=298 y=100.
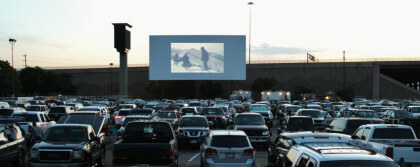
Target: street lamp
x=12 y=42
x=249 y=42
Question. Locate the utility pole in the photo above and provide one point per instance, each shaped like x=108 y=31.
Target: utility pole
x=344 y=69
x=25 y=60
x=12 y=42
x=249 y=42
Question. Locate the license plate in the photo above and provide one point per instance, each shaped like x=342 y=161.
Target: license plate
x=193 y=141
x=229 y=155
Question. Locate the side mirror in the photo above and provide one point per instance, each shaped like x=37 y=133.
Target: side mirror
x=96 y=138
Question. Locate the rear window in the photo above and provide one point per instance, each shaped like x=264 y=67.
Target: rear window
x=124 y=113
x=299 y=122
x=128 y=120
x=358 y=163
x=212 y=111
x=229 y=141
x=352 y=125
x=6 y=112
x=140 y=112
x=28 y=117
x=392 y=133
x=33 y=108
x=259 y=108
x=60 y=110
x=188 y=110
x=148 y=132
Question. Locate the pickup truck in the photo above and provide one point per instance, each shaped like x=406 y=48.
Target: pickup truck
x=76 y=141
x=398 y=142
x=146 y=143
x=41 y=119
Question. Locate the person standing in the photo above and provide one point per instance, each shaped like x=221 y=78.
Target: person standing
x=176 y=57
x=204 y=57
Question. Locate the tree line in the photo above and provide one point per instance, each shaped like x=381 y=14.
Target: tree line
x=32 y=81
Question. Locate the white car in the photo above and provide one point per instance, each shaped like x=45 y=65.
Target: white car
x=264 y=111
x=227 y=148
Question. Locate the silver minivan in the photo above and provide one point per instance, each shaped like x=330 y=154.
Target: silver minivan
x=227 y=148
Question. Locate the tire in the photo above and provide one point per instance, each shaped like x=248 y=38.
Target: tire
x=20 y=159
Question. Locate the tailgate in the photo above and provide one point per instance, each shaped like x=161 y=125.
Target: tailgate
x=142 y=153
x=410 y=153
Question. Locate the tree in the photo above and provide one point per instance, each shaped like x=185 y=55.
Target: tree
x=32 y=79
x=262 y=84
x=299 y=90
x=346 y=94
x=6 y=72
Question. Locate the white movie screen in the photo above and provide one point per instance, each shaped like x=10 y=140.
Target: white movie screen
x=197 y=58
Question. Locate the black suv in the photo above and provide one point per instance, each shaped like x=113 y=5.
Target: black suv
x=253 y=125
x=347 y=125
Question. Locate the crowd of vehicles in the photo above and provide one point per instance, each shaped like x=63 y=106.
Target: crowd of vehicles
x=228 y=133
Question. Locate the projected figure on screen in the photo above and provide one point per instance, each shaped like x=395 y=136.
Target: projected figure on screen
x=176 y=58
x=186 y=61
x=205 y=57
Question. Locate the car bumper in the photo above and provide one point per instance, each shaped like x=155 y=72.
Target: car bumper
x=259 y=139
x=191 y=140
x=33 y=164
x=249 y=162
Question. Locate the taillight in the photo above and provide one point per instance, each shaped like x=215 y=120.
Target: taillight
x=118 y=117
x=30 y=129
x=249 y=151
x=114 y=154
x=389 y=152
x=171 y=152
x=210 y=151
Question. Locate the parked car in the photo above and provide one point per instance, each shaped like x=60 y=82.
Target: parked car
x=37 y=108
x=265 y=111
x=347 y=125
x=189 y=111
x=227 y=148
x=143 y=111
x=192 y=129
x=254 y=126
x=68 y=144
x=287 y=110
x=216 y=115
x=132 y=118
x=120 y=116
x=334 y=154
x=42 y=121
x=316 y=115
x=148 y=143
x=415 y=110
x=57 y=111
x=171 y=116
x=12 y=142
x=398 y=142
x=9 y=111
x=279 y=148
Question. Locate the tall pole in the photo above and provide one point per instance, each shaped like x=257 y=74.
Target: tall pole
x=12 y=42
x=344 y=69
x=110 y=72
x=123 y=74
x=249 y=42
x=25 y=61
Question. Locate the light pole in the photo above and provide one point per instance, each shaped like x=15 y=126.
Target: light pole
x=110 y=73
x=249 y=42
x=12 y=42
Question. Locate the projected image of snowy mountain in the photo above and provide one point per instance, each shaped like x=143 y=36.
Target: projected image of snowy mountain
x=197 y=57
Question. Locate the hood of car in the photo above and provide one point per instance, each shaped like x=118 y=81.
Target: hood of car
x=193 y=128
x=248 y=127
x=60 y=145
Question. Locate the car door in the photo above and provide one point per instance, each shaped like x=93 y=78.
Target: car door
x=365 y=137
x=95 y=145
x=303 y=160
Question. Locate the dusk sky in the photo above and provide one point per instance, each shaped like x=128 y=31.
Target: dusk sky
x=80 y=32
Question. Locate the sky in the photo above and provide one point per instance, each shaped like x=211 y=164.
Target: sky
x=80 y=32
x=210 y=47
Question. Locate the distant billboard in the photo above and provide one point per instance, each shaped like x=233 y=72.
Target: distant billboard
x=197 y=57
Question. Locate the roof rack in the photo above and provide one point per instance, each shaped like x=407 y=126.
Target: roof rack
x=337 y=148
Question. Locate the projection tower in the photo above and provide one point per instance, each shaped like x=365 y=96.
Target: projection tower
x=122 y=44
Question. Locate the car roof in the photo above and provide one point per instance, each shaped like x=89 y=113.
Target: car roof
x=248 y=113
x=312 y=134
x=227 y=133
x=71 y=125
x=196 y=116
x=339 y=151
x=387 y=126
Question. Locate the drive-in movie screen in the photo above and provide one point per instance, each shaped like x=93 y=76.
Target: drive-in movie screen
x=197 y=58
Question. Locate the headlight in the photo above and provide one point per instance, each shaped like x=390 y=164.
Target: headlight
x=266 y=133
x=34 y=153
x=78 y=154
x=204 y=133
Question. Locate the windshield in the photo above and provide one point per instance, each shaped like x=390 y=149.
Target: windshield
x=195 y=104
x=68 y=134
x=127 y=120
x=188 y=110
x=366 y=114
x=293 y=109
x=213 y=111
x=141 y=112
x=298 y=123
x=28 y=117
x=60 y=110
x=415 y=110
x=33 y=108
x=393 y=133
x=124 y=112
x=249 y=120
x=259 y=108
x=403 y=114
x=352 y=125
x=229 y=141
x=89 y=109
x=312 y=113
x=358 y=163
x=193 y=121
x=166 y=115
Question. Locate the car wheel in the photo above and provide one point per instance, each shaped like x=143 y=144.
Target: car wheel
x=20 y=159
